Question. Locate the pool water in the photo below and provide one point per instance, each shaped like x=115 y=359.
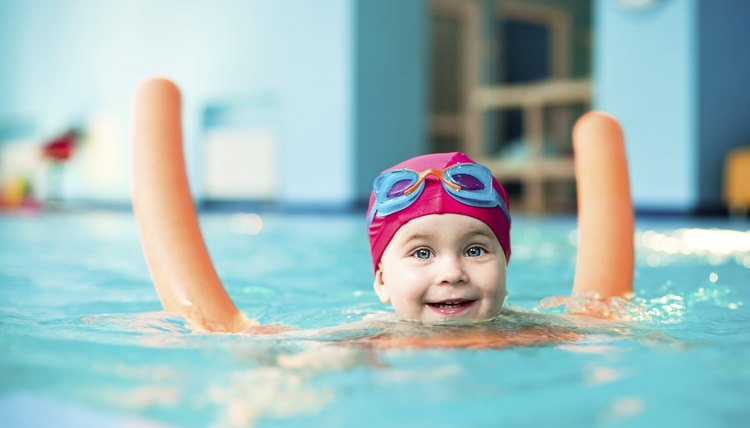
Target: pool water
x=83 y=341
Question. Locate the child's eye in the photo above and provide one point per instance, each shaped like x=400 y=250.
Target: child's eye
x=422 y=253
x=475 y=251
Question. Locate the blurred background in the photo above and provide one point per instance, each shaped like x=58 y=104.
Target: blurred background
x=299 y=104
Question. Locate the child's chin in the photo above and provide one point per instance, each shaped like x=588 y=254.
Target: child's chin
x=463 y=318
x=457 y=321
x=466 y=317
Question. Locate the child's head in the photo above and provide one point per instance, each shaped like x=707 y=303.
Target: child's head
x=440 y=238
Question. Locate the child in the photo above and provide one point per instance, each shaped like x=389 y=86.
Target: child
x=440 y=239
x=439 y=226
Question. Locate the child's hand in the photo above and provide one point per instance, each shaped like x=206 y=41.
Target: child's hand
x=611 y=308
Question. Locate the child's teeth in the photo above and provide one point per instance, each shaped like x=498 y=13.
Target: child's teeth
x=451 y=304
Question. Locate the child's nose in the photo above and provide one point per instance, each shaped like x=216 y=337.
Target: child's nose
x=451 y=272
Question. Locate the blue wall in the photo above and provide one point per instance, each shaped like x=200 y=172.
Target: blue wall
x=676 y=75
x=391 y=86
x=724 y=92
x=65 y=60
x=645 y=74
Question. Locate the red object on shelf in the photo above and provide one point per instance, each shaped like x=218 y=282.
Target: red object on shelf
x=61 y=148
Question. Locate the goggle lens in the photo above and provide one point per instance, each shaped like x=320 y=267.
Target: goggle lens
x=468 y=182
x=398 y=188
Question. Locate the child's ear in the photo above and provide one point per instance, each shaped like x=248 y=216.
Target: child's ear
x=381 y=289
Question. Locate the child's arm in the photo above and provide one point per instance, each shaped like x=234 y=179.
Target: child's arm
x=604 y=265
x=176 y=254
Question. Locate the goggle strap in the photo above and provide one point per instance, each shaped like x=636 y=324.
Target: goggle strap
x=371 y=216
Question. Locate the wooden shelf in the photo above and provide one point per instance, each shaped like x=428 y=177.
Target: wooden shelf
x=533 y=175
x=550 y=93
x=532 y=99
x=540 y=169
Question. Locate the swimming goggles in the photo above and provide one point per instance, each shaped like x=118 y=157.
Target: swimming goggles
x=470 y=184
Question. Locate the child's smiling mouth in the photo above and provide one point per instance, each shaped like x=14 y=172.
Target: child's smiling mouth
x=452 y=306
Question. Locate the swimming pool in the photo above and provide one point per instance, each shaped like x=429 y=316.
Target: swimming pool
x=83 y=341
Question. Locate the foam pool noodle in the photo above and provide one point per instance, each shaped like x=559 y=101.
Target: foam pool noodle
x=175 y=251
x=604 y=266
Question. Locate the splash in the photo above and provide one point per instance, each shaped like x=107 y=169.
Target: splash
x=669 y=308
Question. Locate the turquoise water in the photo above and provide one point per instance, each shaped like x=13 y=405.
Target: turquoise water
x=83 y=341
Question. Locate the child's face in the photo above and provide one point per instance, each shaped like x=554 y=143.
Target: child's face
x=443 y=267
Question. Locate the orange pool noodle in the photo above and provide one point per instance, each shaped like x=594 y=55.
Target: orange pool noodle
x=604 y=266
x=176 y=254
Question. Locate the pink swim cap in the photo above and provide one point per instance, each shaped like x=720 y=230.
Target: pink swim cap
x=435 y=200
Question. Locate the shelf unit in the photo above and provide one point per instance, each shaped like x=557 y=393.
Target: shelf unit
x=532 y=99
x=467 y=124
